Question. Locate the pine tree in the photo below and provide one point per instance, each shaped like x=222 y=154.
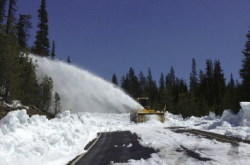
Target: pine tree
x=202 y=104
x=152 y=90
x=11 y=79
x=193 y=79
x=68 y=60
x=53 y=56
x=193 y=88
x=133 y=90
x=2 y=61
x=202 y=83
x=231 y=83
x=229 y=94
x=162 y=91
x=142 y=84
x=245 y=70
x=46 y=88
x=23 y=27
x=171 y=76
x=173 y=81
x=209 y=82
x=2 y=11
x=1 y=106
x=161 y=84
x=149 y=81
x=114 y=79
x=125 y=83
x=209 y=72
x=182 y=85
x=30 y=87
x=10 y=75
x=11 y=16
x=219 y=86
x=131 y=84
x=168 y=95
x=186 y=105
x=41 y=44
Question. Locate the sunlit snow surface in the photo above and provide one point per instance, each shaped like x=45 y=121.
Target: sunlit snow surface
x=36 y=140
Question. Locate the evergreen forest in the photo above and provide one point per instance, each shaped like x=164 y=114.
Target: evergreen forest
x=18 y=79
x=207 y=89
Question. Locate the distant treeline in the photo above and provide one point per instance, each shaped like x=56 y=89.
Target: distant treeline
x=18 y=80
x=207 y=90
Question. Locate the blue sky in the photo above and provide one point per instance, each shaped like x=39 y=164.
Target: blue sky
x=110 y=36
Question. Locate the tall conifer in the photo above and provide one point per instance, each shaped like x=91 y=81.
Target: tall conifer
x=142 y=84
x=23 y=27
x=162 y=91
x=114 y=79
x=193 y=78
x=171 y=76
x=209 y=82
x=161 y=84
x=219 y=86
x=68 y=60
x=133 y=89
x=11 y=16
x=2 y=11
x=53 y=55
x=41 y=44
x=245 y=70
x=152 y=90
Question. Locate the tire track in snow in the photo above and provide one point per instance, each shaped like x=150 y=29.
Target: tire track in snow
x=233 y=153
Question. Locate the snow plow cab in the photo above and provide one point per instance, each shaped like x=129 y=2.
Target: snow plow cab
x=143 y=115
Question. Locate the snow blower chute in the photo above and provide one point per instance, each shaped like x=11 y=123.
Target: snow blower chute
x=140 y=116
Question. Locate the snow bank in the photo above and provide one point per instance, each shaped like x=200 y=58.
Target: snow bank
x=237 y=125
x=240 y=119
x=245 y=113
x=37 y=140
x=231 y=124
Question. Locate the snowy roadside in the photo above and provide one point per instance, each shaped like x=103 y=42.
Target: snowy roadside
x=37 y=140
x=170 y=146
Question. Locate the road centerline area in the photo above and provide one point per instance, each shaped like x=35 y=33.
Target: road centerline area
x=117 y=147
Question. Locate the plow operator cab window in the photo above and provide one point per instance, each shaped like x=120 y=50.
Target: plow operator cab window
x=144 y=103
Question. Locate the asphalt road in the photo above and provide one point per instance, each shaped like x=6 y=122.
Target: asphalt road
x=209 y=135
x=117 y=147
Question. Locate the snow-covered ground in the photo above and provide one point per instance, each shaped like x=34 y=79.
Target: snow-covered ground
x=37 y=140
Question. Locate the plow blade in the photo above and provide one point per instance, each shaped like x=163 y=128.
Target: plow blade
x=143 y=117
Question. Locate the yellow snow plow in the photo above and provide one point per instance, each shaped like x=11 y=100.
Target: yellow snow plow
x=140 y=116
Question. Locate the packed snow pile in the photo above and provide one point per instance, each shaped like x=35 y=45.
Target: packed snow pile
x=237 y=125
x=245 y=114
x=37 y=140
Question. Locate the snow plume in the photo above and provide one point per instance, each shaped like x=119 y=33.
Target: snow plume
x=81 y=91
